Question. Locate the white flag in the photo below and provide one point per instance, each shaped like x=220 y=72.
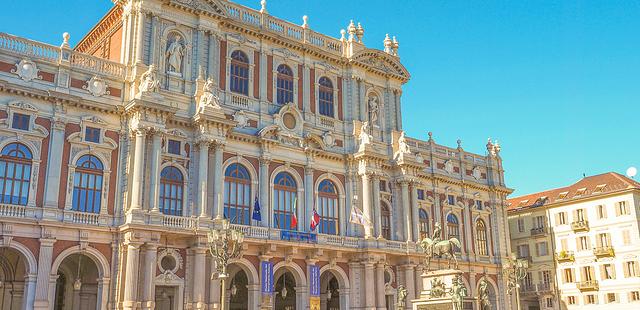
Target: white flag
x=357 y=217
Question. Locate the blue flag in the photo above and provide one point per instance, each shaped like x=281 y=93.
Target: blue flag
x=256 y=211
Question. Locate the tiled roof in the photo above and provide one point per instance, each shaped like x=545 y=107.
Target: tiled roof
x=586 y=187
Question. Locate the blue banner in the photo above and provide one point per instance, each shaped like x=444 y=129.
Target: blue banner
x=267 y=277
x=314 y=280
x=291 y=235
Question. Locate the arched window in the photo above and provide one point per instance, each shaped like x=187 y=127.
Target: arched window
x=453 y=228
x=87 y=184
x=284 y=85
x=171 y=186
x=237 y=194
x=328 y=208
x=385 y=217
x=284 y=200
x=424 y=223
x=481 y=238
x=15 y=174
x=239 y=72
x=325 y=97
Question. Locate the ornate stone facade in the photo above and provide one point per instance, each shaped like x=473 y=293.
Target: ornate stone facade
x=174 y=114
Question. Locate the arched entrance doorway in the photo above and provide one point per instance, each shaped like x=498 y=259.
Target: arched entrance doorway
x=13 y=279
x=285 y=292
x=77 y=284
x=237 y=290
x=329 y=292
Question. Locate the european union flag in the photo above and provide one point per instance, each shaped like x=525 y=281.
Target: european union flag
x=256 y=211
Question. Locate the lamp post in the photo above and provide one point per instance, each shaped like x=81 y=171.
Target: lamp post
x=224 y=245
x=515 y=270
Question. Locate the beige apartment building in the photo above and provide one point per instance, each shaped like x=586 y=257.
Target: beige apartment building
x=119 y=154
x=583 y=243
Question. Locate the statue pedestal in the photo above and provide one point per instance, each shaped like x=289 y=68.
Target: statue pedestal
x=436 y=290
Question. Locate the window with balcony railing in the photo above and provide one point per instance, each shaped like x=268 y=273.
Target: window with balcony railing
x=15 y=174
x=87 y=184
x=285 y=191
x=325 y=97
x=237 y=194
x=284 y=85
x=239 y=73
x=171 y=191
x=328 y=208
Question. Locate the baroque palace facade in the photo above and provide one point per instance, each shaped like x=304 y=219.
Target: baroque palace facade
x=118 y=156
x=582 y=242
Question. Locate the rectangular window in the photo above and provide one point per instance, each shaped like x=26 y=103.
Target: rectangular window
x=590 y=299
x=539 y=221
x=602 y=212
x=562 y=218
x=583 y=243
x=634 y=296
x=421 y=194
x=479 y=204
x=587 y=273
x=630 y=269
x=603 y=240
x=451 y=200
x=92 y=134
x=622 y=208
x=542 y=248
x=626 y=237
x=608 y=272
x=383 y=186
x=523 y=251
x=564 y=245
x=579 y=215
x=520 y=225
x=546 y=276
x=549 y=302
x=173 y=147
x=20 y=121
x=611 y=297
x=571 y=300
x=568 y=275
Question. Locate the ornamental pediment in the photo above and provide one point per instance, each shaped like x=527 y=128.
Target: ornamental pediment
x=381 y=62
x=211 y=7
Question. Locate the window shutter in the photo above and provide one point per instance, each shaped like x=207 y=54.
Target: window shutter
x=618 y=209
x=557 y=217
x=603 y=272
x=578 y=245
x=625 y=266
x=613 y=271
x=626 y=240
x=537 y=249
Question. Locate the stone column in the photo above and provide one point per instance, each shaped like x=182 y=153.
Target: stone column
x=308 y=198
x=45 y=259
x=418 y=275
x=380 y=289
x=409 y=283
x=398 y=94
x=154 y=180
x=131 y=277
x=265 y=204
x=52 y=187
x=148 y=287
x=139 y=36
x=214 y=287
x=366 y=203
x=217 y=185
x=76 y=298
x=138 y=170
x=414 y=212
x=355 y=282
x=370 y=295
x=404 y=187
x=198 y=292
x=377 y=215
x=363 y=100
x=203 y=169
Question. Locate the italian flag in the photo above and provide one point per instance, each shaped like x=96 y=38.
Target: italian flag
x=294 y=218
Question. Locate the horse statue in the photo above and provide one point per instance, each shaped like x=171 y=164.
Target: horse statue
x=435 y=247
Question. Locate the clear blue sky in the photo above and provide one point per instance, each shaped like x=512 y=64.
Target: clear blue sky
x=556 y=82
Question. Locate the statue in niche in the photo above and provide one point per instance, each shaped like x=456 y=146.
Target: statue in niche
x=209 y=97
x=149 y=81
x=175 y=55
x=483 y=294
x=373 y=109
x=458 y=292
x=364 y=137
x=402 y=297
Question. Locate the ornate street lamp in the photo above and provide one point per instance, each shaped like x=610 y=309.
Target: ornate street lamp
x=515 y=270
x=224 y=245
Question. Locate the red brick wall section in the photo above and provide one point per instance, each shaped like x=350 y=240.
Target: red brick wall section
x=255 y=261
x=340 y=116
x=44 y=157
x=270 y=78
x=6 y=67
x=62 y=194
x=256 y=74
x=223 y=65
x=226 y=156
x=3 y=114
x=75 y=83
x=46 y=76
x=104 y=249
x=300 y=86
x=113 y=177
x=312 y=90
x=31 y=243
x=302 y=265
x=60 y=246
x=115 y=92
x=115 y=45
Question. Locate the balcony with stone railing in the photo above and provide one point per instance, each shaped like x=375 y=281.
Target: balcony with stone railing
x=581 y=225
x=604 y=251
x=565 y=256
x=590 y=285
x=538 y=231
